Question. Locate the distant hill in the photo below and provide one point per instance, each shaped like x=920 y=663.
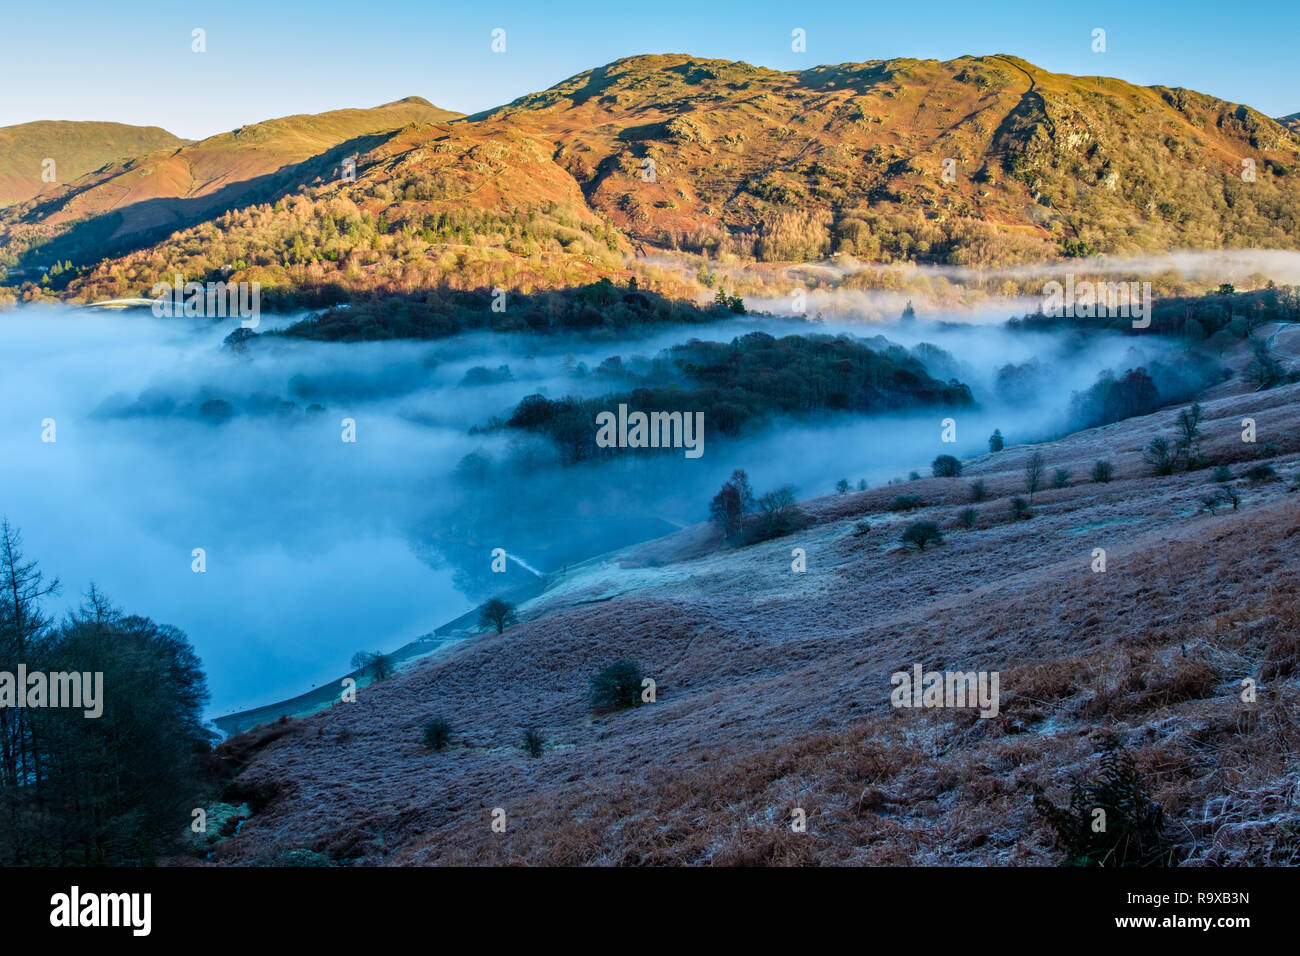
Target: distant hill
x=1291 y=122
x=76 y=148
x=148 y=196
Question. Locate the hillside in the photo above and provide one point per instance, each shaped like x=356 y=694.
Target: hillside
x=141 y=199
x=677 y=153
x=849 y=158
x=77 y=148
x=773 y=687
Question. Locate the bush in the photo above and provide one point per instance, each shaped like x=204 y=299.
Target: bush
x=1229 y=494
x=1020 y=509
x=1103 y=471
x=616 y=687
x=1222 y=473
x=534 y=742
x=913 y=476
x=379 y=666
x=946 y=466
x=922 y=533
x=1212 y=502
x=1260 y=472
x=1061 y=478
x=1134 y=825
x=968 y=518
x=861 y=527
x=437 y=733
x=1159 y=456
x=905 y=503
x=978 y=491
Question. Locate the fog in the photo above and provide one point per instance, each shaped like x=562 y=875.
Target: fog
x=316 y=547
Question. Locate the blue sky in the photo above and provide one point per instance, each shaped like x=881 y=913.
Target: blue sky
x=132 y=63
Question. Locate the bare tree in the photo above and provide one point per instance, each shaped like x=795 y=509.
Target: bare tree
x=1034 y=474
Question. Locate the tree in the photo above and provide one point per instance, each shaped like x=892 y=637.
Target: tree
x=922 y=533
x=1020 y=508
x=978 y=491
x=377 y=665
x=22 y=628
x=1103 y=471
x=969 y=518
x=946 y=466
x=842 y=486
x=116 y=789
x=1061 y=478
x=725 y=510
x=995 y=440
x=1189 y=435
x=497 y=613
x=1034 y=474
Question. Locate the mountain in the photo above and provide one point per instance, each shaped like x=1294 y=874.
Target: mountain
x=977 y=161
x=76 y=148
x=1291 y=122
x=795 y=165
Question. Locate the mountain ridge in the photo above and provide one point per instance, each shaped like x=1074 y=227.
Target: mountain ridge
x=977 y=161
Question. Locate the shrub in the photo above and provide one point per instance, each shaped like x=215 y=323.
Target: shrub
x=922 y=533
x=905 y=503
x=437 y=733
x=861 y=527
x=946 y=466
x=534 y=742
x=1212 y=502
x=978 y=491
x=1133 y=834
x=1103 y=471
x=379 y=666
x=913 y=476
x=995 y=440
x=1061 y=478
x=616 y=687
x=1260 y=472
x=1158 y=456
x=1222 y=473
x=1229 y=494
x=968 y=518
x=1020 y=509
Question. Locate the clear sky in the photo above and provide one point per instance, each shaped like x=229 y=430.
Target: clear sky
x=131 y=62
